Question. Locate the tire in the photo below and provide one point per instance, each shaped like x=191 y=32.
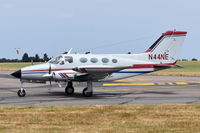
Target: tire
x=69 y=90
x=86 y=93
x=21 y=93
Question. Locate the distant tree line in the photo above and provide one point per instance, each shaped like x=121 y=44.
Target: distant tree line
x=193 y=59
x=45 y=58
x=27 y=58
x=36 y=58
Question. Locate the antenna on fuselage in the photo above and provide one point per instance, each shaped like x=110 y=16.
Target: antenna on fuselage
x=68 y=51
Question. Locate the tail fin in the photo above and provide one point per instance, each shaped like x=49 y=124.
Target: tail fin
x=167 y=47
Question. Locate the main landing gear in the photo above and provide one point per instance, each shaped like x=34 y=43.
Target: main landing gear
x=87 y=92
x=69 y=90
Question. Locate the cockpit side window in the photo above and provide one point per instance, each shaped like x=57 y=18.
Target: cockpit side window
x=61 y=60
x=56 y=60
x=69 y=59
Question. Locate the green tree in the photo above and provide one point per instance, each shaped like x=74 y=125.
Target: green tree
x=37 y=58
x=194 y=59
x=25 y=58
x=45 y=57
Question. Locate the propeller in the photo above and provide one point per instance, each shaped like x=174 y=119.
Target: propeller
x=49 y=74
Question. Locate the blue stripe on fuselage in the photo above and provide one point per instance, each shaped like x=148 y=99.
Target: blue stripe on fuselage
x=134 y=72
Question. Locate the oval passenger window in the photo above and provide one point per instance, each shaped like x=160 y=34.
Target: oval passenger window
x=94 y=60
x=114 y=60
x=83 y=60
x=105 y=60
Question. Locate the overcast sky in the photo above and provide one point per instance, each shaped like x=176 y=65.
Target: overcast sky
x=99 y=26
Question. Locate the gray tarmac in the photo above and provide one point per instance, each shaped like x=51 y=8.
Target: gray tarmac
x=136 y=90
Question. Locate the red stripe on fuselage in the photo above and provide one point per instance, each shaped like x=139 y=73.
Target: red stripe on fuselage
x=149 y=65
x=47 y=70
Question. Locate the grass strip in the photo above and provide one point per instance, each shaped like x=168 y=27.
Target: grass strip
x=101 y=119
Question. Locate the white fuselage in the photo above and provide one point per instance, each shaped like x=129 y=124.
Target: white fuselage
x=63 y=71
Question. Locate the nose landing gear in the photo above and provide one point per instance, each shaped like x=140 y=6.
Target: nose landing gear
x=21 y=92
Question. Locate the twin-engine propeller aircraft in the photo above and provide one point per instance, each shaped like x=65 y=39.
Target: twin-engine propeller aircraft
x=104 y=67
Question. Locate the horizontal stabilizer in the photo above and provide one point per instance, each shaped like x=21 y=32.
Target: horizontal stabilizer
x=167 y=66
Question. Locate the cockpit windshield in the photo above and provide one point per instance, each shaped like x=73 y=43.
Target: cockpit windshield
x=61 y=60
x=56 y=60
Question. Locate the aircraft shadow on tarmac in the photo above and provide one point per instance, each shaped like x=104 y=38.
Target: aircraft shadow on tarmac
x=101 y=95
x=95 y=96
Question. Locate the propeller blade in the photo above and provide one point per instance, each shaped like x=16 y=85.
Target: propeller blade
x=49 y=68
x=49 y=74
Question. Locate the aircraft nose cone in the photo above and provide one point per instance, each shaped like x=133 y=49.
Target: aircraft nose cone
x=17 y=74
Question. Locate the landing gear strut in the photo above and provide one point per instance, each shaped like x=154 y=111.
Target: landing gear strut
x=88 y=91
x=69 y=90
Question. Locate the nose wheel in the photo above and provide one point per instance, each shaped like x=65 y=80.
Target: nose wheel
x=21 y=92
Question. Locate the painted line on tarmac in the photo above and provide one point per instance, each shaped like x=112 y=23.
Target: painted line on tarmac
x=132 y=79
x=150 y=84
x=114 y=90
x=128 y=84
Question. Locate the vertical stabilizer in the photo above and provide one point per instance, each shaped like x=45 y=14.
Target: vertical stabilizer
x=167 y=48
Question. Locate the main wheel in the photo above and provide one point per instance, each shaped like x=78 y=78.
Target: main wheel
x=86 y=93
x=69 y=90
x=21 y=93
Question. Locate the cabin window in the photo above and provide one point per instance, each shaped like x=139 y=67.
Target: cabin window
x=94 y=60
x=114 y=60
x=83 y=60
x=68 y=59
x=105 y=60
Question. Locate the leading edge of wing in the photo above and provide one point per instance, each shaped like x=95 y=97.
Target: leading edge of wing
x=99 y=69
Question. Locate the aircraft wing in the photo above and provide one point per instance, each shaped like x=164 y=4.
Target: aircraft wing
x=97 y=72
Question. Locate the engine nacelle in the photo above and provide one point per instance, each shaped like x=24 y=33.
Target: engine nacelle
x=65 y=75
